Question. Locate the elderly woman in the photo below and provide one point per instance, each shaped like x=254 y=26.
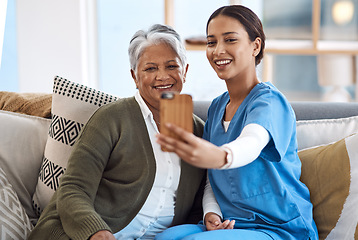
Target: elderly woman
x=118 y=183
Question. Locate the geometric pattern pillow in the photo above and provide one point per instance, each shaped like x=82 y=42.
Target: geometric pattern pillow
x=72 y=105
x=14 y=222
x=331 y=174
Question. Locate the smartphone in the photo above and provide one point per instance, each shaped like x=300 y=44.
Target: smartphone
x=177 y=109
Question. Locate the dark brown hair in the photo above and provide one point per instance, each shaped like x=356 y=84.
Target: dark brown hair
x=248 y=19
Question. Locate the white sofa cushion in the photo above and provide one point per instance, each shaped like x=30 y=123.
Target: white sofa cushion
x=22 y=144
x=312 y=133
x=72 y=105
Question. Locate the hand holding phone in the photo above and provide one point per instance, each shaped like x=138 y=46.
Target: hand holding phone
x=177 y=109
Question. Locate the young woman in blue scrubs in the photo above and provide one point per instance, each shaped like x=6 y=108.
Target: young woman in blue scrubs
x=249 y=147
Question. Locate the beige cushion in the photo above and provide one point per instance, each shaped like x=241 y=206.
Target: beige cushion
x=331 y=174
x=36 y=104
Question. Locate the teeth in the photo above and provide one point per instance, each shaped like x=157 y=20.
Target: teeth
x=222 y=62
x=164 y=87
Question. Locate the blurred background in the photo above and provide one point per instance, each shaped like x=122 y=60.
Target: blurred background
x=311 y=55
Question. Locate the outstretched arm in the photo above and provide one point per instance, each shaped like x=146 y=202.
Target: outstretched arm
x=201 y=153
x=192 y=149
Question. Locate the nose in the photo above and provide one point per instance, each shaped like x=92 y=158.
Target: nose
x=219 y=48
x=162 y=74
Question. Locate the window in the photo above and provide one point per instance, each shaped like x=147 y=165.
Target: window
x=117 y=21
x=339 y=20
x=8 y=68
x=295 y=75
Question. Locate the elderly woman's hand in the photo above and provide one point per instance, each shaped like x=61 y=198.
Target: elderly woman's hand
x=194 y=150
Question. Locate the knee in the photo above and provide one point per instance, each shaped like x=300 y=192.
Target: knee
x=169 y=234
x=164 y=236
x=179 y=232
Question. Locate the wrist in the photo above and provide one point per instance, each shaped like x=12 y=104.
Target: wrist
x=228 y=158
x=209 y=214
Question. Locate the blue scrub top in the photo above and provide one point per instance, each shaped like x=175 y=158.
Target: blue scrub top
x=267 y=193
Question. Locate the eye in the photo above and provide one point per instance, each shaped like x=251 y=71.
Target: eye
x=231 y=40
x=150 y=69
x=172 y=66
x=210 y=43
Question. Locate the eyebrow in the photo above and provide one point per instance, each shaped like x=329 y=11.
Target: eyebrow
x=151 y=63
x=224 y=34
x=175 y=61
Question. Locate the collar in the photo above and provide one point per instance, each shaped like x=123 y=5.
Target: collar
x=143 y=106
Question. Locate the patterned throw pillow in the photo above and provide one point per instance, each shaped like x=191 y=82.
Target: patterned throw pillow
x=14 y=222
x=72 y=106
x=331 y=174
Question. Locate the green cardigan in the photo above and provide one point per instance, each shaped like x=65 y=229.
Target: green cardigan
x=109 y=176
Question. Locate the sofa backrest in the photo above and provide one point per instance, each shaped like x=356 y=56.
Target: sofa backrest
x=303 y=110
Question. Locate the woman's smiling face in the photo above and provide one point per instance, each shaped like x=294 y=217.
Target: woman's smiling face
x=229 y=49
x=159 y=69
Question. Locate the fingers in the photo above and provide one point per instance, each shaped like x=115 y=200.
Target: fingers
x=173 y=145
x=184 y=135
x=212 y=225
x=213 y=222
x=231 y=224
x=194 y=150
x=182 y=147
x=227 y=224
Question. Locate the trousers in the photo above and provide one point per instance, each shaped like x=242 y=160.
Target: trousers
x=198 y=232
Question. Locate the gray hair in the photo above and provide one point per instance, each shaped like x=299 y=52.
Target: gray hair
x=155 y=35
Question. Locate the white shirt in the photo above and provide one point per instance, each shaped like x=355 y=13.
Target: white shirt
x=157 y=213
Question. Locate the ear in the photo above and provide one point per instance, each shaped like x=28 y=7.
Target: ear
x=257 y=46
x=185 y=72
x=134 y=78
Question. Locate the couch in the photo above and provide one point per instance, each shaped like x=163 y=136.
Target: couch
x=37 y=132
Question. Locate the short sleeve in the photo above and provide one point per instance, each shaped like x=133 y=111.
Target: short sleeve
x=272 y=111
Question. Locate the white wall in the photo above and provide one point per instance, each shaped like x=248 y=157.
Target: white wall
x=51 y=42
